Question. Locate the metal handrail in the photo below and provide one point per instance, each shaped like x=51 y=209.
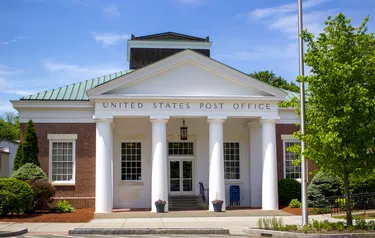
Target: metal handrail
x=202 y=191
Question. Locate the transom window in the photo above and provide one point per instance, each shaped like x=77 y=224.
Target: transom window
x=291 y=170
x=63 y=161
x=232 y=160
x=181 y=148
x=131 y=166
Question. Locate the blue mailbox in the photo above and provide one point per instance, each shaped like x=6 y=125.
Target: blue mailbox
x=234 y=195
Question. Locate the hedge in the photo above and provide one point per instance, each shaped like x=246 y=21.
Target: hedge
x=15 y=196
x=289 y=189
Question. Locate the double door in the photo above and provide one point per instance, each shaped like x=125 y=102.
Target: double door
x=181 y=178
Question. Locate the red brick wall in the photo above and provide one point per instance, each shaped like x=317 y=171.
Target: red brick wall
x=83 y=193
x=286 y=129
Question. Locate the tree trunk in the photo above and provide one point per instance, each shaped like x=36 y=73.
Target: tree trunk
x=349 y=218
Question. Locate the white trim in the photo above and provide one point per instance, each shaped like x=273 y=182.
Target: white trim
x=17 y=104
x=193 y=57
x=57 y=120
x=287 y=138
x=203 y=45
x=62 y=136
x=62 y=183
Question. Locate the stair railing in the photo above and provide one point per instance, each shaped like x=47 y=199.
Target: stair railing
x=203 y=192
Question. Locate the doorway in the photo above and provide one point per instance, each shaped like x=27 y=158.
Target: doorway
x=181 y=179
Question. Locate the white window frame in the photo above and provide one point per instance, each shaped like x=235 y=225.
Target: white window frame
x=239 y=161
x=286 y=139
x=142 y=152
x=73 y=141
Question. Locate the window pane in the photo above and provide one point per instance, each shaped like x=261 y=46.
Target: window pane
x=131 y=161
x=232 y=160
x=291 y=170
x=62 y=161
x=181 y=148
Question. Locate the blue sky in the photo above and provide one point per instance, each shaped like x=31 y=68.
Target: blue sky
x=50 y=43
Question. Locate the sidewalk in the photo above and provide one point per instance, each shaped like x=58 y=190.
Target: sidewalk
x=234 y=224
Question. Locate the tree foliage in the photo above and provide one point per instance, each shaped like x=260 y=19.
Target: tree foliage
x=277 y=81
x=9 y=127
x=30 y=146
x=340 y=121
x=18 y=158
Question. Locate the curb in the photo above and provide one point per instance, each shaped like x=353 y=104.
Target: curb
x=13 y=233
x=262 y=232
x=145 y=231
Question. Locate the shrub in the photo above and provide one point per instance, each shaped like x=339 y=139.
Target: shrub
x=295 y=204
x=16 y=196
x=29 y=172
x=64 y=206
x=43 y=193
x=322 y=186
x=288 y=189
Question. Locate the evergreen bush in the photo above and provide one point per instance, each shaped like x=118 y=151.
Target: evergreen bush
x=16 y=196
x=30 y=146
x=29 y=172
x=288 y=189
x=18 y=158
x=295 y=204
x=323 y=185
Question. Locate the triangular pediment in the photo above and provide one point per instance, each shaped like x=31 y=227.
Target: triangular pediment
x=187 y=74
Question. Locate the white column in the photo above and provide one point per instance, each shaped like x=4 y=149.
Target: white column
x=216 y=183
x=103 y=192
x=269 y=181
x=255 y=143
x=159 y=179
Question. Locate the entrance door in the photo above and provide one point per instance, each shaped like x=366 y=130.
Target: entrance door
x=181 y=177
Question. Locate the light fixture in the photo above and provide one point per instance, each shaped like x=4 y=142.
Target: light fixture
x=183 y=131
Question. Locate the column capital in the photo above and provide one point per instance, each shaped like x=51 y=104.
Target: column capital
x=103 y=120
x=220 y=119
x=269 y=120
x=160 y=119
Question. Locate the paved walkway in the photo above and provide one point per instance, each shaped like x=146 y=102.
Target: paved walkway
x=234 y=224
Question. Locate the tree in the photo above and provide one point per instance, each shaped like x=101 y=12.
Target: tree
x=340 y=121
x=270 y=78
x=9 y=127
x=18 y=158
x=30 y=146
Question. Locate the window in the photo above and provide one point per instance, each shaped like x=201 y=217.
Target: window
x=181 y=148
x=291 y=170
x=232 y=160
x=131 y=166
x=62 y=161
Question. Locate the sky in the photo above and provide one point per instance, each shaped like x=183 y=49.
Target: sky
x=45 y=44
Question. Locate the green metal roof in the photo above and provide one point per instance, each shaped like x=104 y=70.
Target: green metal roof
x=290 y=94
x=76 y=91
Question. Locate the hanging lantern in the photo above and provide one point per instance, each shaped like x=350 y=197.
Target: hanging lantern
x=183 y=131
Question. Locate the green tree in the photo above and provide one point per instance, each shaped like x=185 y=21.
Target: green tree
x=9 y=127
x=18 y=158
x=270 y=78
x=340 y=121
x=30 y=146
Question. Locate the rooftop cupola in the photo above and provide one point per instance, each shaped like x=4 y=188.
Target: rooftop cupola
x=145 y=50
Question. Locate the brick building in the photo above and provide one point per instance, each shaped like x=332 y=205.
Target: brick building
x=175 y=122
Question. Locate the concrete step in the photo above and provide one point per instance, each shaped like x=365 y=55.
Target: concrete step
x=187 y=203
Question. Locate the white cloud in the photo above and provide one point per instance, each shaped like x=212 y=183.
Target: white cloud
x=12 y=40
x=111 y=10
x=287 y=8
x=6 y=106
x=69 y=73
x=312 y=21
x=287 y=52
x=108 y=39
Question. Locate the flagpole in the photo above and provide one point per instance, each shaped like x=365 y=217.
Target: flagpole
x=302 y=107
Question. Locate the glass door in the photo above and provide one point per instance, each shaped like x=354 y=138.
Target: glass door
x=181 y=177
